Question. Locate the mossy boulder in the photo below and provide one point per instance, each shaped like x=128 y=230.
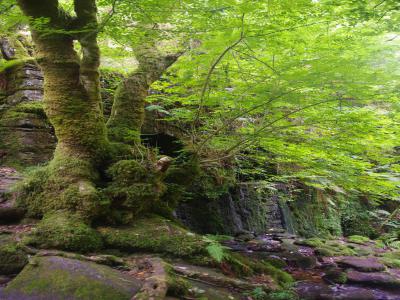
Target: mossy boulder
x=391 y=259
x=157 y=235
x=12 y=259
x=359 y=239
x=335 y=276
x=60 y=278
x=328 y=247
x=63 y=231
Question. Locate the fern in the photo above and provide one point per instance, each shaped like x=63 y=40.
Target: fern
x=215 y=249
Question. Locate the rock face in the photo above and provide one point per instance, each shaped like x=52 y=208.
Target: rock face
x=8 y=213
x=374 y=279
x=26 y=135
x=60 y=278
x=248 y=207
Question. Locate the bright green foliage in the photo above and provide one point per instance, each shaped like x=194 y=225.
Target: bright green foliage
x=317 y=92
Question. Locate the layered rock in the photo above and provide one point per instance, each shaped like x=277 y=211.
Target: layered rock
x=26 y=136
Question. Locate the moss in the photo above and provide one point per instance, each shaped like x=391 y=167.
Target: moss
x=9 y=64
x=177 y=286
x=391 y=259
x=245 y=266
x=66 y=183
x=60 y=230
x=336 y=276
x=157 y=235
x=328 y=247
x=12 y=259
x=135 y=188
x=61 y=278
x=358 y=239
x=312 y=242
x=335 y=248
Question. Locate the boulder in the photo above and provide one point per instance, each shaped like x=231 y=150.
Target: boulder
x=367 y=264
x=382 y=280
x=60 y=278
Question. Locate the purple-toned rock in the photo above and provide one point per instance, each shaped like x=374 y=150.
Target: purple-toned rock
x=368 y=264
x=382 y=280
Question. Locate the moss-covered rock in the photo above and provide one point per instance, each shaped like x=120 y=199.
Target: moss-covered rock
x=328 y=247
x=60 y=230
x=60 y=278
x=358 y=239
x=245 y=266
x=335 y=276
x=391 y=259
x=12 y=259
x=157 y=235
x=135 y=188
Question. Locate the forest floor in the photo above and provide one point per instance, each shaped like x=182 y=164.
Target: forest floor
x=340 y=268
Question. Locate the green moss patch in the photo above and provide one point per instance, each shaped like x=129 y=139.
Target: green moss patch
x=358 y=239
x=64 y=231
x=63 y=278
x=156 y=235
x=12 y=259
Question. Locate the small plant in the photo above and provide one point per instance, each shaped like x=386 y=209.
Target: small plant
x=257 y=294
x=215 y=249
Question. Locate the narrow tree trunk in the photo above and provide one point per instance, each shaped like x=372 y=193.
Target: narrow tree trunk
x=127 y=113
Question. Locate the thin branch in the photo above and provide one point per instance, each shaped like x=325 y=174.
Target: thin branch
x=261 y=129
x=210 y=72
x=241 y=114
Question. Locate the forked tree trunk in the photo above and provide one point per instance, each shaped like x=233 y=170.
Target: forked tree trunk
x=72 y=102
x=127 y=113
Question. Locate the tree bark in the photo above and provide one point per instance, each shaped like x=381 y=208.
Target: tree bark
x=72 y=101
x=127 y=114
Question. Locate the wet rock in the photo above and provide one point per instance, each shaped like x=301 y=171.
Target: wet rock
x=245 y=236
x=383 y=280
x=4 y=279
x=312 y=291
x=368 y=264
x=302 y=261
x=335 y=276
x=59 y=278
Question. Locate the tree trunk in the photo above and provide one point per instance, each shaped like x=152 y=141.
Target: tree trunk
x=72 y=104
x=127 y=113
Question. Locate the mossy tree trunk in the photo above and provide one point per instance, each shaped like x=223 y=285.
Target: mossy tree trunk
x=127 y=113
x=72 y=102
